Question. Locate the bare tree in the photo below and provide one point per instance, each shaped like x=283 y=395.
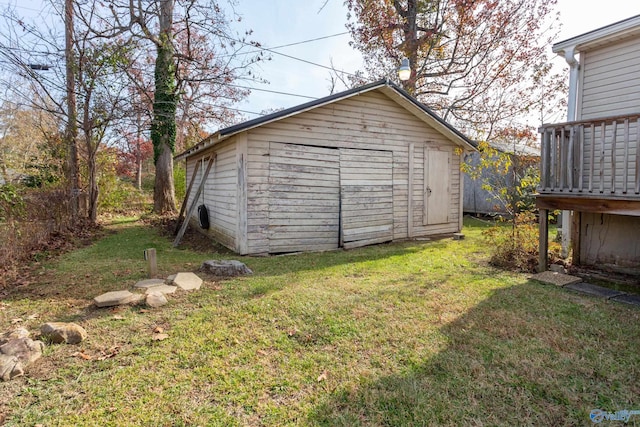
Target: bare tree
x=195 y=60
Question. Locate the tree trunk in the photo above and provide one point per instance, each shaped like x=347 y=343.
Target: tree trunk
x=93 y=187
x=163 y=128
x=71 y=134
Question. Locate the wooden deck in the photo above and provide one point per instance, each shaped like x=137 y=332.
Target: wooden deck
x=596 y=158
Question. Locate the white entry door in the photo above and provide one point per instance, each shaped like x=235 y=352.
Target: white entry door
x=437 y=204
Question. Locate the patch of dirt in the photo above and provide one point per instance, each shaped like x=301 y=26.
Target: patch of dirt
x=192 y=239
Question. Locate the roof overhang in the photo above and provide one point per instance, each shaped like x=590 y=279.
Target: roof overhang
x=600 y=37
x=385 y=86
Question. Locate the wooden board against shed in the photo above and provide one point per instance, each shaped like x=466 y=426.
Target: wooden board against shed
x=366 y=191
x=304 y=199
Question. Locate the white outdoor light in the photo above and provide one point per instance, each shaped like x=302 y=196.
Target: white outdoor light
x=404 y=72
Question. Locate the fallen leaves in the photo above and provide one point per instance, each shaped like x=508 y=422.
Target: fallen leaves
x=323 y=376
x=159 y=337
x=104 y=354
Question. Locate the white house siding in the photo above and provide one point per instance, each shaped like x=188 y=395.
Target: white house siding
x=610 y=86
x=610 y=80
x=610 y=239
x=369 y=121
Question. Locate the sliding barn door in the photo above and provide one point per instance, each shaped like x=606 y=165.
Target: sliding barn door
x=366 y=195
x=304 y=198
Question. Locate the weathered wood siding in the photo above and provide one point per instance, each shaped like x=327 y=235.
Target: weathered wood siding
x=366 y=197
x=220 y=193
x=370 y=121
x=303 y=198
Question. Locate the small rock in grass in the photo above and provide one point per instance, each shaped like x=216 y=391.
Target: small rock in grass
x=149 y=283
x=187 y=281
x=161 y=289
x=10 y=367
x=60 y=332
x=15 y=334
x=156 y=299
x=225 y=268
x=109 y=299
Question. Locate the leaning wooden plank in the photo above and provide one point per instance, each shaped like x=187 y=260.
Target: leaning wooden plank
x=186 y=196
x=192 y=206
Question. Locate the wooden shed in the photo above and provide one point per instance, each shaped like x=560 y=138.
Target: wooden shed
x=364 y=166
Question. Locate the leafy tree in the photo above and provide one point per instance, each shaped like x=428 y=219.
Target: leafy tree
x=479 y=63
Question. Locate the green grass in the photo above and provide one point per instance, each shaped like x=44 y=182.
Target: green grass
x=415 y=333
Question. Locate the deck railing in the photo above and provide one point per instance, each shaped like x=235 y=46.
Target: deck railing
x=598 y=157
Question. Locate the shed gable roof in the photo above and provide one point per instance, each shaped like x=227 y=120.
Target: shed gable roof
x=387 y=87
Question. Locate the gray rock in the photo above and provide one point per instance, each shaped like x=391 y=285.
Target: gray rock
x=16 y=354
x=187 y=281
x=156 y=299
x=162 y=289
x=25 y=349
x=60 y=332
x=557 y=268
x=225 y=268
x=10 y=367
x=16 y=333
x=113 y=298
x=149 y=283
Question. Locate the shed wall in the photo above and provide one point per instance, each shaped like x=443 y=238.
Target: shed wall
x=220 y=191
x=369 y=121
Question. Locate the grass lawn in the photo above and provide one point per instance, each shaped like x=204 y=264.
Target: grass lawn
x=407 y=334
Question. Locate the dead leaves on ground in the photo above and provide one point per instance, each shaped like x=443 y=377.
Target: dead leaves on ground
x=103 y=355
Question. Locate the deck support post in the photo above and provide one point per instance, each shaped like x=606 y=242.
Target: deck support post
x=543 y=239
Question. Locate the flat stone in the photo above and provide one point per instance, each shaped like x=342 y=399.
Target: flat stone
x=631 y=299
x=156 y=299
x=595 y=290
x=113 y=298
x=558 y=279
x=60 y=332
x=149 y=283
x=161 y=289
x=226 y=268
x=187 y=281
